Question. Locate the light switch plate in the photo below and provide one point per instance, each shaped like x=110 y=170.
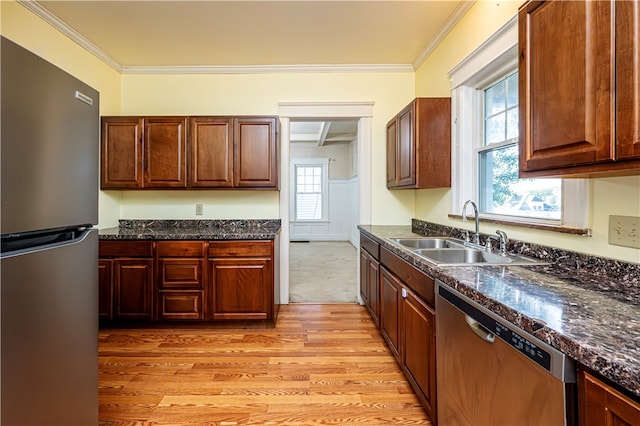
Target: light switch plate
x=624 y=231
x=199 y=209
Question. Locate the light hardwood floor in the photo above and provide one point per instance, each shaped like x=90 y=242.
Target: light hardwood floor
x=320 y=365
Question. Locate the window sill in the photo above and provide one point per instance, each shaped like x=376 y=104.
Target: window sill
x=540 y=226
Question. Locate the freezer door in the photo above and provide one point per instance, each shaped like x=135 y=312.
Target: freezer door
x=50 y=140
x=49 y=332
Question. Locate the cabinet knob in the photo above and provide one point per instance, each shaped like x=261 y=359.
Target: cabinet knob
x=404 y=293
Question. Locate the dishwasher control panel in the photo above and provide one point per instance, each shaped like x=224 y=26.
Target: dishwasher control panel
x=501 y=329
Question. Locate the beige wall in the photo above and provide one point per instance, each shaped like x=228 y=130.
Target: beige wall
x=26 y=29
x=610 y=196
x=240 y=94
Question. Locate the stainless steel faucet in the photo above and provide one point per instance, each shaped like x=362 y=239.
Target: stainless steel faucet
x=476 y=237
x=502 y=238
x=503 y=242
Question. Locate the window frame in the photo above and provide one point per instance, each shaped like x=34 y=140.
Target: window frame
x=492 y=60
x=323 y=163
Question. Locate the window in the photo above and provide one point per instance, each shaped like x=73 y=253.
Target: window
x=485 y=133
x=310 y=195
x=500 y=191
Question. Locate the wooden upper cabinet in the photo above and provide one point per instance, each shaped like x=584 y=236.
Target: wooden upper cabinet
x=392 y=133
x=211 y=141
x=419 y=145
x=255 y=152
x=628 y=79
x=578 y=85
x=121 y=153
x=405 y=147
x=165 y=144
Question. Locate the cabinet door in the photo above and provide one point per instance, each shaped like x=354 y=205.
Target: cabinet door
x=373 y=282
x=255 y=153
x=601 y=405
x=121 y=153
x=105 y=289
x=364 y=276
x=392 y=134
x=133 y=288
x=390 y=310
x=241 y=288
x=566 y=84
x=405 y=148
x=211 y=141
x=419 y=348
x=165 y=142
x=627 y=15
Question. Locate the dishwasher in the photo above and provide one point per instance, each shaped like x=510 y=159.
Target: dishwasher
x=492 y=373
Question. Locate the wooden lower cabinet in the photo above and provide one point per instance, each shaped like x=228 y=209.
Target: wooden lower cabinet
x=181 y=280
x=126 y=280
x=602 y=405
x=407 y=323
x=370 y=277
x=133 y=288
x=187 y=280
x=241 y=280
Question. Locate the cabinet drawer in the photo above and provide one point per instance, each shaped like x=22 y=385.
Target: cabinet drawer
x=371 y=246
x=131 y=248
x=418 y=281
x=180 y=273
x=180 y=248
x=241 y=248
x=181 y=305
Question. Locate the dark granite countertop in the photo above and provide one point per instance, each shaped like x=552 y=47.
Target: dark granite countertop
x=597 y=327
x=251 y=229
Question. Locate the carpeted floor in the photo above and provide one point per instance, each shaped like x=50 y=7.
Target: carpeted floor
x=322 y=272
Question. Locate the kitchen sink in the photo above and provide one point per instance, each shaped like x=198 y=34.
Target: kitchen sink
x=444 y=251
x=428 y=243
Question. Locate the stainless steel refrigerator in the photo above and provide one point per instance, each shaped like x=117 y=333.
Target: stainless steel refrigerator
x=49 y=254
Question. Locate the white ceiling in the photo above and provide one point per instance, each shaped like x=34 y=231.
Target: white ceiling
x=255 y=33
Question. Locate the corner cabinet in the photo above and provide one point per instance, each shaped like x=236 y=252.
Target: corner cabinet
x=419 y=145
x=205 y=152
x=578 y=83
x=602 y=405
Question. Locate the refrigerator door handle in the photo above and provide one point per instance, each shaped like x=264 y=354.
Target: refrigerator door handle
x=21 y=244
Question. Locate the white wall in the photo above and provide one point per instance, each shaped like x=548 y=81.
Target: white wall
x=341 y=164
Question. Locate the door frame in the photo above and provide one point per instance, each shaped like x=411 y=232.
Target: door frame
x=363 y=111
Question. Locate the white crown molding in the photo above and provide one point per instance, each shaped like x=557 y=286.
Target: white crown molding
x=265 y=69
x=451 y=22
x=65 y=29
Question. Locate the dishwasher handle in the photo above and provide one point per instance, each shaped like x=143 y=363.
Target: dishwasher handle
x=480 y=330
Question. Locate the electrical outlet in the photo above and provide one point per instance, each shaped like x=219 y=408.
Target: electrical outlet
x=199 y=209
x=624 y=231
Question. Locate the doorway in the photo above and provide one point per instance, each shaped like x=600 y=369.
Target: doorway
x=323 y=210
x=296 y=112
